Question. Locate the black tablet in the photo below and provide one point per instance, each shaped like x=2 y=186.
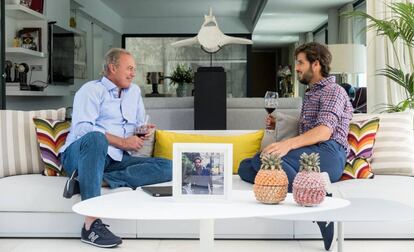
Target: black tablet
x=158 y=191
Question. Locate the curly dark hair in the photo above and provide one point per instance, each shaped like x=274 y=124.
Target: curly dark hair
x=317 y=52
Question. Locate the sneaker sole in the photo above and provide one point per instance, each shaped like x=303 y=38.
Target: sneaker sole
x=101 y=246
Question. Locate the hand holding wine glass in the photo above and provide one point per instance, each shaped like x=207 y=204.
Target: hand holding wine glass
x=145 y=130
x=270 y=106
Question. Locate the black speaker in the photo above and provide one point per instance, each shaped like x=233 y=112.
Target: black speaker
x=210 y=99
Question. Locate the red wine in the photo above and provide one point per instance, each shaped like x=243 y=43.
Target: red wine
x=270 y=110
x=141 y=134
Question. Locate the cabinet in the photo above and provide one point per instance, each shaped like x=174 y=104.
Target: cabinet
x=18 y=17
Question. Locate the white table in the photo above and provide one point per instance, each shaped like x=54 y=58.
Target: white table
x=360 y=210
x=137 y=205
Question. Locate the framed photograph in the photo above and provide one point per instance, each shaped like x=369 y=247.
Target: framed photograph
x=31 y=38
x=202 y=170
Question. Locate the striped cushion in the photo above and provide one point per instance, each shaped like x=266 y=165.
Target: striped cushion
x=19 y=152
x=51 y=136
x=358 y=168
x=394 y=144
x=361 y=138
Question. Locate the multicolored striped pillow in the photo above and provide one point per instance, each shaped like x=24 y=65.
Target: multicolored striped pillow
x=361 y=139
x=51 y=136
x=359 y=168
x=19 y=151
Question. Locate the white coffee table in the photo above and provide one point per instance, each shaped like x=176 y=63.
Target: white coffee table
x=360 y=210
x=137 y=205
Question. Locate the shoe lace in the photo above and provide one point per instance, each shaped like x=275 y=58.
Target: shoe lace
x=103 y=228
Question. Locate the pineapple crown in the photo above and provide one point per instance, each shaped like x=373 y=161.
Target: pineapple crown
x=270 y=162
x=309 y=162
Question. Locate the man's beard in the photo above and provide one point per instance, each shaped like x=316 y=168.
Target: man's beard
x=306 y=77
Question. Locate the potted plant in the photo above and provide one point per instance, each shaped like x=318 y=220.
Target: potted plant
x=181 y=77
x=397 y=28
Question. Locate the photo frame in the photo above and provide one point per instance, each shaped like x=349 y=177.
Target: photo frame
x=202 y=170
x=31 y=38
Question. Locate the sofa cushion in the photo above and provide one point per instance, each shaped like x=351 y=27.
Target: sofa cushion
x=19 y=152
x=244 y=146
x=358 y=168
x=394 y=143
x=51 y=136
x=37 y=193
x=361 y=138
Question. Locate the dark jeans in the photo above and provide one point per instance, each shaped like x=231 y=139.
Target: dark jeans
x=89 y=155
x=332 y=160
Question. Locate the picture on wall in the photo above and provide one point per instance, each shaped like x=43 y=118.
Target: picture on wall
x=202 y=170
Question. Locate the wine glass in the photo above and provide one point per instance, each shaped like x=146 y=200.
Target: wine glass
x=270 y=100
x=144 y=129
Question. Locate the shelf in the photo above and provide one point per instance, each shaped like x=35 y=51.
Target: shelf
x=20 y=51
x=48 y=91
x=21 y=12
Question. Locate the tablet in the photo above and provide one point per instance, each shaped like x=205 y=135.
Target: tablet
x=158 y=191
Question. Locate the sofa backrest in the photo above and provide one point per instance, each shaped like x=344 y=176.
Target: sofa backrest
x=172 y=113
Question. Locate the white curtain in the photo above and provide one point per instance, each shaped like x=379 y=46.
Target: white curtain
x=380 y=53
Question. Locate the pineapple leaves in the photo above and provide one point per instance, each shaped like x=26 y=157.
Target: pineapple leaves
x=309 y=162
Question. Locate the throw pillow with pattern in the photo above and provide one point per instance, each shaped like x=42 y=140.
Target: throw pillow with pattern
x=361 y=139
x=359 y=168
x=51 y=136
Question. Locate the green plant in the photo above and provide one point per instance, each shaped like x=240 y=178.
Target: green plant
x=181 y=74
x=400 y=27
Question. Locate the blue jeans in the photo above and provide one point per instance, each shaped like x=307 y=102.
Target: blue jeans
x=89 y=155
x=332 y=160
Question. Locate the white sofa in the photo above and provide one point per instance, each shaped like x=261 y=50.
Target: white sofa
x=32 y=205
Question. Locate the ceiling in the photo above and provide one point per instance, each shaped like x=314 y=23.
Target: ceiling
x=272 y=22
x=282 y=20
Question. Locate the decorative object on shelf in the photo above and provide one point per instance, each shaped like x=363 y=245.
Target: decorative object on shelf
x=16 y=42
x=23 y=69
x=309 y=184
x=37 y=5
x=285 y=81
x=31 y=38
x=181 y=76
x=7 y=67
x=26 y=3
x=271 y=182
x=16 y=73
x=155 y=79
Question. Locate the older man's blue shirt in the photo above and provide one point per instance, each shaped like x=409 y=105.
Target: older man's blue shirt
x=100 y=106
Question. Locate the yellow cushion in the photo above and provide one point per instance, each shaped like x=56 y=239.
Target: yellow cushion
x=244 y=146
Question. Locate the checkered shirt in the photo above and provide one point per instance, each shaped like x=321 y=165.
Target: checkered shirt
x=327 y=103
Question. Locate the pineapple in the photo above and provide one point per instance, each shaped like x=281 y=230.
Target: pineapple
x=309 y=184
x=271 y=182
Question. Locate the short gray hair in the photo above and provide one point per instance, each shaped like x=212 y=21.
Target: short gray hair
x=112 y=57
